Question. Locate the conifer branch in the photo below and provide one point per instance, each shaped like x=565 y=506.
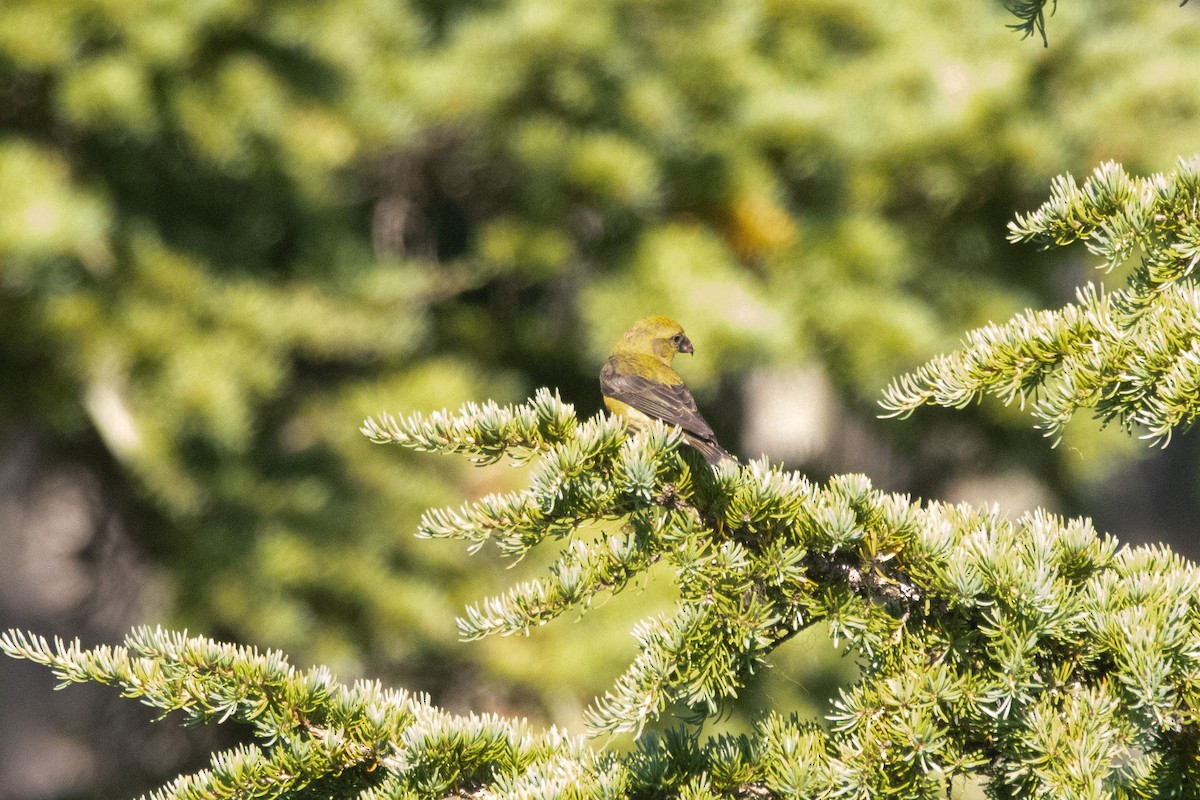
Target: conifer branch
x=972 y=628
x=575 y=578
x=564 y=494
x=1032 y=14
x=310 y=729
x=485 y=433
x=1130 y=355
x=1032 y=652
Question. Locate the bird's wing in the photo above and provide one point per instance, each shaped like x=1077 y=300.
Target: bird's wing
x=672 y=403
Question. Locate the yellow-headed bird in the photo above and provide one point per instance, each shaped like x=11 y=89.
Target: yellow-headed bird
x=639 y=384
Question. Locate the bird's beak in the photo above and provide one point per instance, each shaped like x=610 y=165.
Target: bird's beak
x=685 y=345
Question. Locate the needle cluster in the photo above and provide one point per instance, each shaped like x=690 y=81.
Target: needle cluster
x=1033 y=654
x=1131 y=354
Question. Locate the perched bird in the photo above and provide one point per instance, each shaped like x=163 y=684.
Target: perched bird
x=639 y=384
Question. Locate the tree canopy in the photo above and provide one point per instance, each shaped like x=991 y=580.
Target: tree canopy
x=231 y=231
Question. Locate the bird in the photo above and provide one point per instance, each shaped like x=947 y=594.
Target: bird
x=639 y=384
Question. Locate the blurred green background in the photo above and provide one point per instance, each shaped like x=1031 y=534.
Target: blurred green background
x=232 y=229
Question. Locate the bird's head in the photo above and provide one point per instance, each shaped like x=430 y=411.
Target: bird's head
x=657 y=336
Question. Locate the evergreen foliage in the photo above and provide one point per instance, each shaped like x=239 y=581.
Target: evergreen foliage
x=1032 y=16
x=228 y=228
x=1132 y=355
x=1033 y=653
x=310 y=730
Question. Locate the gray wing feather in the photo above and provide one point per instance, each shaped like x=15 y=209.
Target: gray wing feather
x=674 y=405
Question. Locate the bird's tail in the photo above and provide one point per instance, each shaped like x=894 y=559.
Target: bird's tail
x=713 y=453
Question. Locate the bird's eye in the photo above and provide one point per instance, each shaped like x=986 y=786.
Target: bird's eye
x=677 y=338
